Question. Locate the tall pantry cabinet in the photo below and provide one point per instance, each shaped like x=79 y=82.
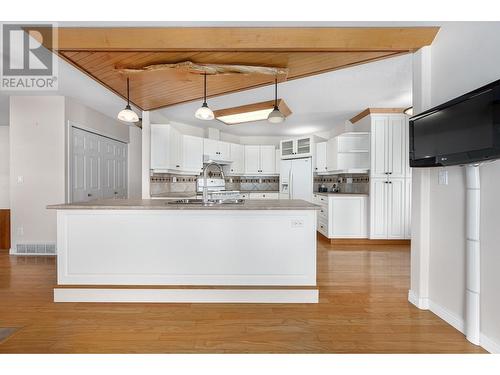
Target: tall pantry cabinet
x=390 y=175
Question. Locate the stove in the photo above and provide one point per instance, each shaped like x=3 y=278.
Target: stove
x=217 y=189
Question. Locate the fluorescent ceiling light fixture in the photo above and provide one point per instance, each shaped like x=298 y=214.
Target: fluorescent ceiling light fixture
x=127 y=114
x=251 y=112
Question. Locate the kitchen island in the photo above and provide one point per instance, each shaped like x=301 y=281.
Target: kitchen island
x=258 y=251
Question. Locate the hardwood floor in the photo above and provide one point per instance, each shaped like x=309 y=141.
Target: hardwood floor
x=363 y=308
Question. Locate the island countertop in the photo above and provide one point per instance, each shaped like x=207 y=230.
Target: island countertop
x=157 y=204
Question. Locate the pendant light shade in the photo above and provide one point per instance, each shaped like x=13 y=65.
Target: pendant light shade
x=275 y=117
x=204 y=113
x=127 y=114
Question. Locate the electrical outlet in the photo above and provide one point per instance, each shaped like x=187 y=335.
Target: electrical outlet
x=20 y=231
x=297 y=223
x=174 y=179
x=20 y=179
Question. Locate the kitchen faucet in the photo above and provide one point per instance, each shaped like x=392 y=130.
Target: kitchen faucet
x=205 y=188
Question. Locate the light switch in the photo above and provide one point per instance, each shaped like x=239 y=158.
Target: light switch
x=443 y=177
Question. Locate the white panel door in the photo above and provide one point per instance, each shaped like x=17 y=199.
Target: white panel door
x=108 y=168
x=78 y=188
x=192 y=153
x=397 y=149
x=120 y=170
x=267 y=159
x=379 y=146
x=238 y=158
x=321 y=155
x=396 y=208
x=378 y=208
x=252 y=159
x=92 y=161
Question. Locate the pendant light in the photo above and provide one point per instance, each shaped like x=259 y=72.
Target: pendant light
x=275 y=117
x=127 y=114
x=204 y=113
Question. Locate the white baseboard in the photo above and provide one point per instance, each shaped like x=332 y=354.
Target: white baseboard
x=186 y=295
x=421 y=303
x=489 y=344
x=452 y=319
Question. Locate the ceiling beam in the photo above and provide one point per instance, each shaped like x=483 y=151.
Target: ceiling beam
x=309 y=39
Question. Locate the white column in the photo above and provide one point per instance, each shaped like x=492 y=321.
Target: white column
x=146 y=154
x=420 y=220
x=472 y=255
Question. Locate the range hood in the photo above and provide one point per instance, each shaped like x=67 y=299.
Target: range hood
x=210 y=159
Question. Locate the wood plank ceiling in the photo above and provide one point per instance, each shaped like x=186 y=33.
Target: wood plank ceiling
x=101 y=52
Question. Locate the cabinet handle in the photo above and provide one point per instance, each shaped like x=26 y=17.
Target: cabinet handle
x=89 y=195
x=316 y=168
x=390 y=172
x=116 y=192
x=177 y=166
x=389 y=182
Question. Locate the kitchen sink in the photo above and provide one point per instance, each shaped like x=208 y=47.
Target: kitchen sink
x=211 y=202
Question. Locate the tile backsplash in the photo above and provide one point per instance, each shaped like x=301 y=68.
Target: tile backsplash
x=170 y=183
x=347 y=183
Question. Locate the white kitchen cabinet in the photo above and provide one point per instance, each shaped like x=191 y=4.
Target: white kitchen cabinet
x=349 y=153
x=216 y=150
x=192 y=154
x=342 y=215
x=238 y=160
x=321 y=157
x=389 y=145
x=388 y=207
x=175 y=150
x=267 y=159
x=277 y=161
x=296 y=148
x=260 y=159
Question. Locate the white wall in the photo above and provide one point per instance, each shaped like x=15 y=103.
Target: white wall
x=4 y=167
x=38 y=147
x=463 y=57
x=37 y=141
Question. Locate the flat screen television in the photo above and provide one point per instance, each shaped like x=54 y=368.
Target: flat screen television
x=464 y=130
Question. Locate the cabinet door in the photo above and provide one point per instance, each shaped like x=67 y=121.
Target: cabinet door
x=160 y=144
x=238 y=158
x=287 y=148
x=277 y=161
x=303 y=146
x=252 y=159
x=175 y=150
x=210 y=148
x=332 y=154
x=396 y=208
x=267 y=162
x=397 y=146
x=192 y=154
x=348 y=217
x=378 y=208
x=379 y=146
x=224 y=151
x=321 y=157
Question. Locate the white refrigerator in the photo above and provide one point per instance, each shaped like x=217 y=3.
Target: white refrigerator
x=296 y=179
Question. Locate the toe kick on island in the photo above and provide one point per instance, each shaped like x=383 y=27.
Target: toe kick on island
x=258 y=252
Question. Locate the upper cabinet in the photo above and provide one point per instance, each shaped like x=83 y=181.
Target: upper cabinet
x=238 y=157
x=296 y=148
x=172 y=152
x=260 y=159
x=389 y=143
x=348 y=153
x=321 y=157
x=216 y=150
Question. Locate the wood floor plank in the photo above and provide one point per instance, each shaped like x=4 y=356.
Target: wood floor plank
x=363 y=308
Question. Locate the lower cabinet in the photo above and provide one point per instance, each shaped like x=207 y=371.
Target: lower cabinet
x=342 y=216
x=389 y=208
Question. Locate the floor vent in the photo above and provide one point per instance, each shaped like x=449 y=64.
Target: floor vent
x=36 y=248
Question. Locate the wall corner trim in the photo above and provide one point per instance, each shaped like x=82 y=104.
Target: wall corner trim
x=421 y=303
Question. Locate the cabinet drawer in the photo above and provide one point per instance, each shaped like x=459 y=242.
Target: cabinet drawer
x=323 y=213
x=270 y=195
x=322 y=227
x=244 y=196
